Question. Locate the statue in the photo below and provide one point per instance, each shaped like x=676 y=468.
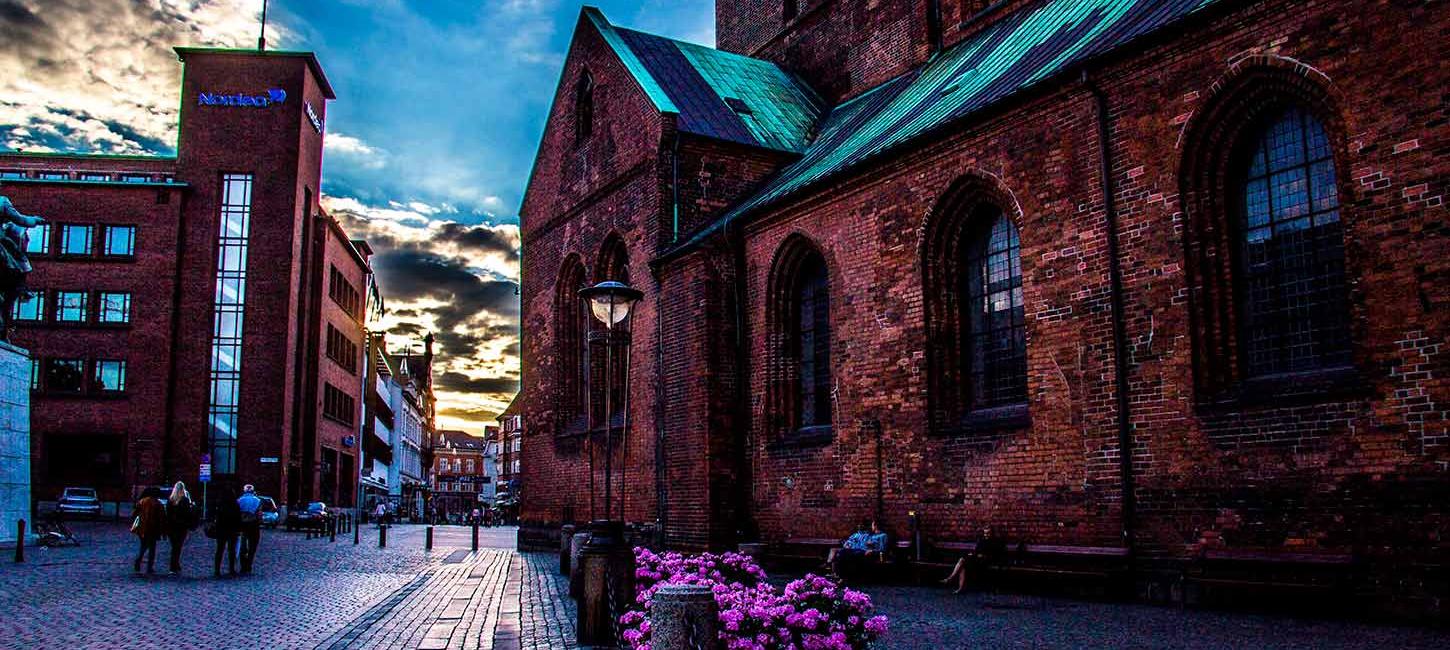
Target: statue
x=14 y=263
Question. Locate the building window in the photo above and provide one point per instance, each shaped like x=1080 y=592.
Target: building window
x=572 y=347
x=110 y=376
x=1293 y=309
x=115 y=307
x=338 y=405
x=64 y=375
x=341 y=349
x=72 y=306
x=613 y=264
x=468 y=467
x=54 y=176
x=12 y=174
x=344 y=293
x=90 y=176
x=29 y=307
x=799 y=313
x=227 y=310
x=120 y=241
x=38 y=240
x=995 y=336
x=34 y=373
x=75 y=240
x=584 y=107
x=135 y=178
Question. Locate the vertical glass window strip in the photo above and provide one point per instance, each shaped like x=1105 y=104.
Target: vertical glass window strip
x=75 y=240
x=120 y=241
x=110 y=375
x=34 y=373
x=813 y=340
x=38 y=241
x=29 y=307
x=228 y=308
x=71 y=306
x=996 y=334
x=1294 y=308
x=115 y=307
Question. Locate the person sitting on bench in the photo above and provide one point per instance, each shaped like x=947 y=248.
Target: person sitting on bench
x=991 y=551
x=868 y=542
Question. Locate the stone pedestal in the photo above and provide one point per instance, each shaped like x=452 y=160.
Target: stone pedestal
x=606 y=571
x=566 y=548
x=684 y=616
x=576 y=547
x=14 y=439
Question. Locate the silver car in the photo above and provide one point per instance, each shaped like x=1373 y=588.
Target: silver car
x=79 y=501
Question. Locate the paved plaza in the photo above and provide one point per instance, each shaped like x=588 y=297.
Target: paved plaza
x=315 y=593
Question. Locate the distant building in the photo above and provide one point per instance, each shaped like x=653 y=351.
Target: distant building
x=198 y=305
x=510 y=444
x=411 y=397
x=460 y=478
x=378 y=420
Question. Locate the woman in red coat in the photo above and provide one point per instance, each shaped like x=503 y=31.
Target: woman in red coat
x=149 y=524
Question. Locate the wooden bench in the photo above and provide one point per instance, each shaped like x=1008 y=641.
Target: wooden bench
x=1029 y=562
x=1270 y=572
x=801 y=549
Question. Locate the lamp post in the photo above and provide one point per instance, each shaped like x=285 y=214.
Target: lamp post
x=608 y=572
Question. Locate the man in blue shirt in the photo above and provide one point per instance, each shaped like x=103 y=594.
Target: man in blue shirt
x=867 y=542
x=251 y=506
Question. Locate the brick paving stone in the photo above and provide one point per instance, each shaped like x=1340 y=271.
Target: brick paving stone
x=547 y=613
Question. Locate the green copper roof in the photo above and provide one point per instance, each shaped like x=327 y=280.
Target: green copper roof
x=716 y=94
x=1017 y=52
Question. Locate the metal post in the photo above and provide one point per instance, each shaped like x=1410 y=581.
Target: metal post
x=382 y=536
x=608 y=419
x=20 y=541
x=428 y=539
x=355 y=533
x=475 y=535
x=332 y=529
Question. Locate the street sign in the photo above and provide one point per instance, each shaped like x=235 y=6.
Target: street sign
x=270 y=460
x=480 y=497
x=206 y=472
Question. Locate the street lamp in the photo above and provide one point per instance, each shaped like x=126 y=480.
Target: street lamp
x=609 y=581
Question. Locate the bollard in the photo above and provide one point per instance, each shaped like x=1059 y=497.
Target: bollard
x=382 y=536
x=475 y=536
x=566 y=541
x=576 y=574
x=355 y=533
x=683 y=616
x=332 y=530
x=428 y=539
x=19 y=541
x=307 y=532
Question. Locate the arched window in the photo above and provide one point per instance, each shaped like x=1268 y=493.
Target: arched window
x=1292 y=309
x=571 y=347
x=798 y=311
x=584 y=107
x=976 y=327
x=613 y=264
x=811 y=340
x=994 y=336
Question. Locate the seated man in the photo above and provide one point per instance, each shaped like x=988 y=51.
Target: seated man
x=991 y=551
x=868 y=542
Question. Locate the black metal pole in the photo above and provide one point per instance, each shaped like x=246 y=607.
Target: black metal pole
x=609 y=418
x=382 y=535
x=332 y=530
x=20 y=541
x=428 y=539
x=355 y=533
x=475 y=535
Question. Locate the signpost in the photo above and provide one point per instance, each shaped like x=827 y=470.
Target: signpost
x=205 y=477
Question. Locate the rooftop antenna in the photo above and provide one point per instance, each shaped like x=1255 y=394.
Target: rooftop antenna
x=262 y=40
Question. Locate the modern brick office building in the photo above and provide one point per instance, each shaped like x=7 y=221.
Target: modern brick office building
x=198 y=304
x=1159 y=276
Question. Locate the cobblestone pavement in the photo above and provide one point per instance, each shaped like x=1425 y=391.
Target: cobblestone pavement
x=303 y=594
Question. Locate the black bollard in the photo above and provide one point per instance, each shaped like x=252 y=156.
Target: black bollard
x=428 y=540
x=382 y=535
x=475 y=536
x=332 y=530
x=20 y=541
x=355 y=533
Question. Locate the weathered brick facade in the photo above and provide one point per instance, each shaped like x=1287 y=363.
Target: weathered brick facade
x=156 y=429
x=1353 y=461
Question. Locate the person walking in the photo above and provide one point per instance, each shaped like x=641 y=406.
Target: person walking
x=148 y=523
x=180 y=520
x=379 y=513
x=250 y=517
x=226 y=527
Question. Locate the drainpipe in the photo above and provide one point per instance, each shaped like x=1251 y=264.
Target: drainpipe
x=934 y=26
x=735 y=242
x=1120 y=329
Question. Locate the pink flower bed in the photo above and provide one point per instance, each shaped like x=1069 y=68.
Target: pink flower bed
x=813 y=613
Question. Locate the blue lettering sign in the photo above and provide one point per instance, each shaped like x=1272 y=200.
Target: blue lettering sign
x=312 y=117
x=272 y=96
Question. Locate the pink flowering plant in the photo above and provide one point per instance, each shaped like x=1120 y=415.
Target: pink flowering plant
x=813 y=613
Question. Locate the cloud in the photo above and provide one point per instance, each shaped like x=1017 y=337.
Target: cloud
x=457 y=381
x=354 y=152
x=100 y=76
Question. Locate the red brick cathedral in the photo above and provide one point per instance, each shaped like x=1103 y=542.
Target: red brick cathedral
x=1158 y=275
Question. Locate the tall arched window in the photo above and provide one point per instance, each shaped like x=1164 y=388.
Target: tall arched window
x=994 y=336
x=1293 y=310
x=812 y=343
x=613 y=264
x=584 y=107
x=799 y=341
x=571 y=346
x=975 y=321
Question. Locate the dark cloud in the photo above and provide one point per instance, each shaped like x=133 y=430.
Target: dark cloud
x=480 y=238
x=413 y=275
x=472 y=413
x=461 y=383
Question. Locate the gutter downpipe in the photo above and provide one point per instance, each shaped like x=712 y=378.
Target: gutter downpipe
x=662 y=513
x=735 y=243
x=1120 y=330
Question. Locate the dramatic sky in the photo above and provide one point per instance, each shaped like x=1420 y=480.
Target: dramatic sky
x=440 y=107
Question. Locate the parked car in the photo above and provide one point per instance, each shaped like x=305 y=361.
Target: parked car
x=79 y=501
x=315 y=516
x=271 y=516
